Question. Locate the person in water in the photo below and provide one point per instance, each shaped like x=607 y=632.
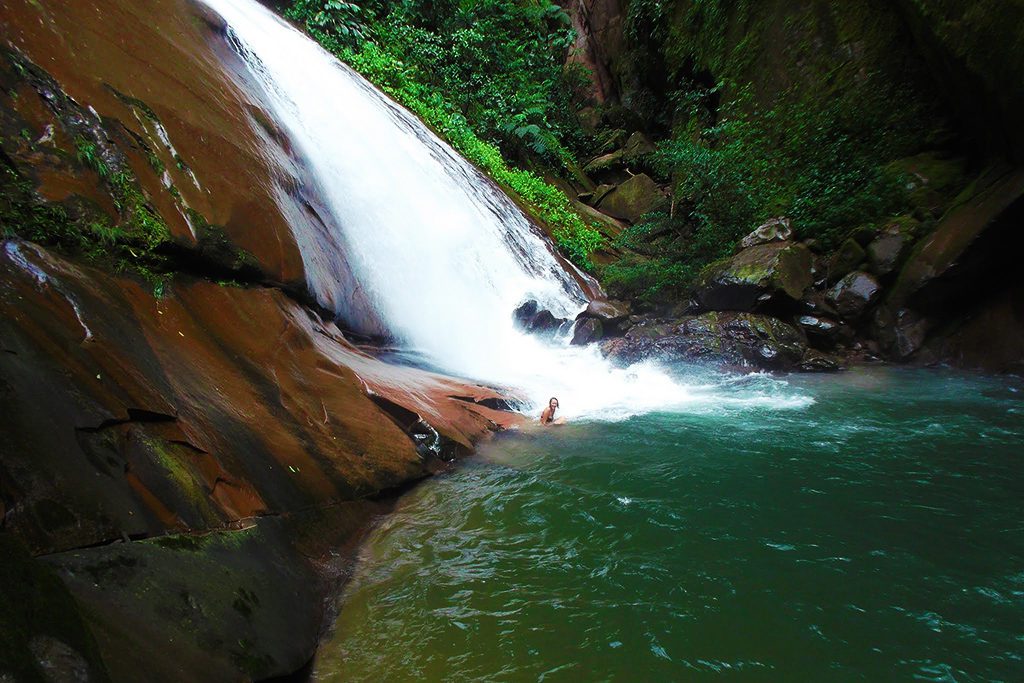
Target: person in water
x=548 y=416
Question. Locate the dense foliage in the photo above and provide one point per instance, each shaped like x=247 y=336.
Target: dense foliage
x=761 y=110
x=487 y=76
x=741 y=148
x=131 y=243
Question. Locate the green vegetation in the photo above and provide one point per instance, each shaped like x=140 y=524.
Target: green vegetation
x=141 y=227
x=747 y=141
x=130 y=243
x=762 y=110
x=486 y=76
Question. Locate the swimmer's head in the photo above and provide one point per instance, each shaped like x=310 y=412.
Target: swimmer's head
x=553 y=403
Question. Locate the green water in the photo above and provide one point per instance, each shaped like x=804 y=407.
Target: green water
x=876 y=533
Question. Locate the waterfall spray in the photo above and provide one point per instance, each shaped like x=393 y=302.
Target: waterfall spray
x=418 y=244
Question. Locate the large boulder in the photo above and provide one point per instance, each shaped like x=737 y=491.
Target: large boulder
x=532 y=318
x=962 y=239
x=854 y=294
x=846 y=258
x=612 y=316
x=607 y=310
x=633 y=198
x=637 y=146
x=754 y=276
x=739 y=340
x=886 y=252
x=774 y=230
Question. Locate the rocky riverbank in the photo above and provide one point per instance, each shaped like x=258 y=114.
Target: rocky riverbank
x=890 y=292
x=189 y=440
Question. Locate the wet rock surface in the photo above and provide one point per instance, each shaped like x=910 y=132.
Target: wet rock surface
x=133 y=417
x=736 y=340
x=852 y=295
x=587 y=330
x=530 y=317
x=189 y=118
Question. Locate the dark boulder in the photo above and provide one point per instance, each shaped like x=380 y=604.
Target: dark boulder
x=633 y=198
x=587 y=330
x=901 y=333
x=545 y=321
x=819 y=327
x=848 y=256
x=854 y=294
x=779 y=270
x=739 y=340
x=525 y=312
x=532 y=318
x=886 y=252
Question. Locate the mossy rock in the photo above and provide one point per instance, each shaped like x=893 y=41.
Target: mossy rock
x=739 y=340
x=847 y=257
x=755 y=275
x=605 y=162
x=931 y=179
x=633 y=198
x=230 y=605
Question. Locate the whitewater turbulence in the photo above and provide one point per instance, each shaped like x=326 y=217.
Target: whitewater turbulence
x=413 y=243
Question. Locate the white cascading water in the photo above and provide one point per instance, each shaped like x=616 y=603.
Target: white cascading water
x=439 y=255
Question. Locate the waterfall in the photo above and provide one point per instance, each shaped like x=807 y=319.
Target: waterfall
x=414 y=243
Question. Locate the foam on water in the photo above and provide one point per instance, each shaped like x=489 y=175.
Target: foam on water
x=418 y=246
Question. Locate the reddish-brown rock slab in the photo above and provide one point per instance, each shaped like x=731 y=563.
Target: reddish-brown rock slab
x=128 y=415
x=162 y=69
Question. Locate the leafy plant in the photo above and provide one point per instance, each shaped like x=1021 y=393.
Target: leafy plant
x=339 y=19
x=484 y=76
x=88 y=154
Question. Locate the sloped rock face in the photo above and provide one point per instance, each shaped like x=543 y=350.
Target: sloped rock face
x=162 y=77
x=131 y=417
x=940 y=255
x=957 y=296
